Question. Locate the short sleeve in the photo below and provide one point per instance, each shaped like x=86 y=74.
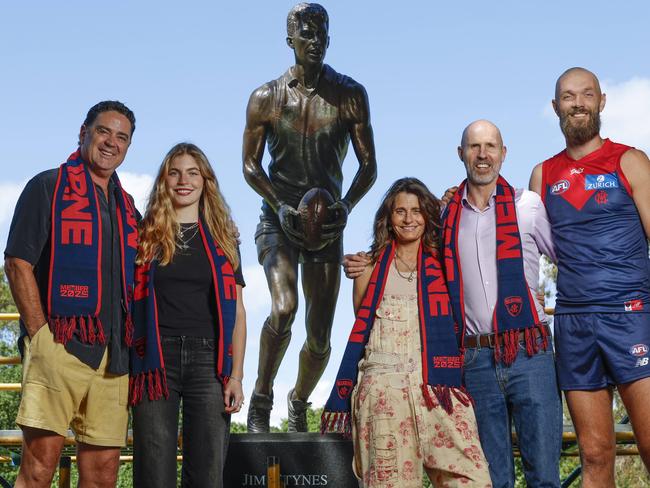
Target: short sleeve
x=31 y=224
x=239 y=276
x=542 y=231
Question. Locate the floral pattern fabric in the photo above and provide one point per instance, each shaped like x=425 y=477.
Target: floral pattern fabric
x=395 y=436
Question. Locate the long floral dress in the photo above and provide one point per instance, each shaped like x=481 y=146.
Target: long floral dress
x=395 y=435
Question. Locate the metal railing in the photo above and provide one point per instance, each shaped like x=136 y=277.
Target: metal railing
x=625 y=442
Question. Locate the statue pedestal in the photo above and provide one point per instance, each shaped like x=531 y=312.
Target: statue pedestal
x=306 y=460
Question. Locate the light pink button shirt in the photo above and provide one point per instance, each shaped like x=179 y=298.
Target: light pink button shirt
x=478 y=258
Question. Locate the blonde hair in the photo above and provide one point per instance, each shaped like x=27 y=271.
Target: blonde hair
x=159 y=226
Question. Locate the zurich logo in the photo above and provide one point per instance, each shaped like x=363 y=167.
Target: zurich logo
x=639 y=350
x=601 y=182
x=560 y=187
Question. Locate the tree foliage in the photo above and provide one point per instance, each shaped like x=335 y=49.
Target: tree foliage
x=9 y=400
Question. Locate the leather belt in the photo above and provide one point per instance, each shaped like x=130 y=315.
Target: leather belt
x=487 y=340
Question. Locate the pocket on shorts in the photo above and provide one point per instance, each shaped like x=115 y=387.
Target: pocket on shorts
x=28 y=341
x=41 y=365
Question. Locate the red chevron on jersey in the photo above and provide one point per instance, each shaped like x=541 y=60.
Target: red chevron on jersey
x=578 y=181
x=570 y=185
x=600 y=244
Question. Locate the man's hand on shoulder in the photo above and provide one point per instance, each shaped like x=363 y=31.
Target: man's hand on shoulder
x=449 y=194
x=355 y=264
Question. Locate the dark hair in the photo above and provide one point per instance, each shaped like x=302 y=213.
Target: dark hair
x=107 y=106
x=429 y=206
x=304 y=11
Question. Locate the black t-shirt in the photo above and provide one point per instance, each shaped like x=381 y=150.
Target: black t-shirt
x=29 y=239
x=185 y=292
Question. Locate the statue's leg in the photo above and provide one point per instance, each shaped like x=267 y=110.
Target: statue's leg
x=281 y=269
x=320 y=282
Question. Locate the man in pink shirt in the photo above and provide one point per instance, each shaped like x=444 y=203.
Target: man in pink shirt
x=509 y=373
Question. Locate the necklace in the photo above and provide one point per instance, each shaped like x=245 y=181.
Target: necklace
x=181 y=241
x=411 y=274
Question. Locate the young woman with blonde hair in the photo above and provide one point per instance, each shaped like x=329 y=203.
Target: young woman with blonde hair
x=190 y=326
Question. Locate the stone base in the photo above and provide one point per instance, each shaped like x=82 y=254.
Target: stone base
x=306 y=460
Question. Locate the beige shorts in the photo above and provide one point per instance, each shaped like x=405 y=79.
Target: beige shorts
x=61 y=392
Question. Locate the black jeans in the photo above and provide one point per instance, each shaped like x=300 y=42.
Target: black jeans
x=191 y=375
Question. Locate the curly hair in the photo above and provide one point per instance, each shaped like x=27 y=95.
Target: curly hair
x=383 y=232
x=159 y=226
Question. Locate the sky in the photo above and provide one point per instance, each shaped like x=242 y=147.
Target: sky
x=430 y=68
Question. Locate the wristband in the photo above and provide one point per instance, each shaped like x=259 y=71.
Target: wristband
x=236 y=379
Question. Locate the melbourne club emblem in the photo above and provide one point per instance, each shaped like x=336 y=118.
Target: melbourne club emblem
x=140 y=344
x=513 y=305
x=344 y=388
x=601 y=197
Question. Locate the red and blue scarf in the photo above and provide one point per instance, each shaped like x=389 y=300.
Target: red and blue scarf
x=147 y=364
x=75 y=281
x=442 y=357
x=515 y=309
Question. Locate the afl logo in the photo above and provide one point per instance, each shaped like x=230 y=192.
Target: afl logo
x=639 y=350
x=560 y=187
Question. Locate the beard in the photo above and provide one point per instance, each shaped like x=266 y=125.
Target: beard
x=482 y=179
x=578 y=133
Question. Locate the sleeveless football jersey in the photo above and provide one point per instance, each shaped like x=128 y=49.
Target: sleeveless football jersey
x=601 y=246
x=310 y=133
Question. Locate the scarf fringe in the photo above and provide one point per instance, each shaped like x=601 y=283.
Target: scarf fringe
x=90 y=329
x=83 y=329
x=511 y=343
x=100 y=331
x=336 y=422
x=463 y=396
x=155 y=382
x=510 y=346
x=443 y=395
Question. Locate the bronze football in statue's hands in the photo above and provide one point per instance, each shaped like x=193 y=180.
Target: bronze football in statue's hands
x=313 y=214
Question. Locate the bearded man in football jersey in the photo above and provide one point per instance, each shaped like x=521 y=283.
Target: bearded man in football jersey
x=597 y=195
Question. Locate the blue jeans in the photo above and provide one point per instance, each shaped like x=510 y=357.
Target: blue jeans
x=527 y=394
x=191 y=375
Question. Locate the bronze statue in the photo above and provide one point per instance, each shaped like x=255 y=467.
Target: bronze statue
x=307 y=116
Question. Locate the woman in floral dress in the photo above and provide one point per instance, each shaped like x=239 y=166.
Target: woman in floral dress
x=406 y=417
